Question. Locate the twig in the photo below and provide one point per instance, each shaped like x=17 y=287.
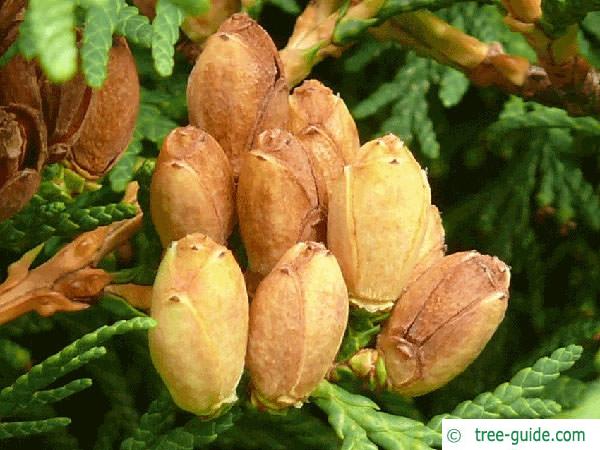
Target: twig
x=563 y=78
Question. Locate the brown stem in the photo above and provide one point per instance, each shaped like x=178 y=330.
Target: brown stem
x=571 y=84
x=311 y=40
x=563 y=79
x=69 y=280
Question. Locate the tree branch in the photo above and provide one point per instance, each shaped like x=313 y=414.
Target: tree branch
x=564 y=78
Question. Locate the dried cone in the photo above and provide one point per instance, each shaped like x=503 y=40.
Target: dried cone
x=377 y=219
x=110 y=119
x=192 y=188
x=70 y=280
x=297 y=321
x=198 y=347
x=322 y=122
x=236 y=89
x=443 y=321
x=433 y=247
x=276 y=199
x=63 y=107
x=22 y=156
x=12 y=13
x=20 y=83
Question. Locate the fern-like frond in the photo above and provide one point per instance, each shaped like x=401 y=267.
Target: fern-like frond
x=155 y=428
x=367 y=51
x=452 y=87
x=48 y=32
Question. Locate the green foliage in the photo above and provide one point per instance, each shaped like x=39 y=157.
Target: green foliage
x=11 y=52
x=49 y=34
x=27 y=324
x=18 y=429
x=559 y=14
x=165 y=32
x=293 y=429
x=566 y=391
x=588 y=407
x=100 y=24
x=159 y=418
x=27 y=391
x=528 y=208
x=134 y=26
x=192 y=7
x=408 y=90
x=362 y=329
x=13 y=354
x=521 y=396
x=50 y=31
x=254 y=8
x=58 y=211
x=359 y=424
x=348 y=28
x=563 y=184
x=403 y=104
x=156 y=431
x=581 y=332
x=289 y=6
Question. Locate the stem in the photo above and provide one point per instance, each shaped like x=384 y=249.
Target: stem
x=313 y=37
x=564 y=78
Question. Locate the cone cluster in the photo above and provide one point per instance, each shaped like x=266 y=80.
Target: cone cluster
x=326 y=223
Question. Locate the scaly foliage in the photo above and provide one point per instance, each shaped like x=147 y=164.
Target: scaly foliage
x=62 y=208
x=49 y=33
x=521 y=396
x=27 y=391
x=362 y=329
x=359 y=424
